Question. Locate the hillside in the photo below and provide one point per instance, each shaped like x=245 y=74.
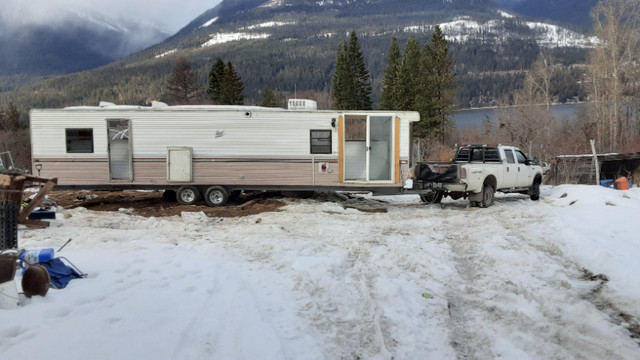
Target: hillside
x=291 y=44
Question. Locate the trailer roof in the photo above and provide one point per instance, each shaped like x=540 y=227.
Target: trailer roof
x=160 y=106
x=156 y=105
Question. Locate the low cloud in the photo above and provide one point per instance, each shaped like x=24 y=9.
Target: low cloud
x=169 y=15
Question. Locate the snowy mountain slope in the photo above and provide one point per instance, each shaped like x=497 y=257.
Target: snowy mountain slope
x=485 y=21
x=554 y=279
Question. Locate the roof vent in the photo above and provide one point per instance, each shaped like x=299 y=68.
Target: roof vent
x=302 y=104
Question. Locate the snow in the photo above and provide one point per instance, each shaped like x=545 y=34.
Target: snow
x=273 y=4
x=220 y=38
x=321 y=281
x=268 y=24
x=169 y=52
x=505 y=14
x=464 y=28
x=208 y=23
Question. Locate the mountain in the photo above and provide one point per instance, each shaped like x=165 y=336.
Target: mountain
x=75 y=41
x=569 y=11
x=291 y=45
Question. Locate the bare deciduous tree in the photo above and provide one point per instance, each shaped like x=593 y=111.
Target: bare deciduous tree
x=613 y=73
x=183 y=85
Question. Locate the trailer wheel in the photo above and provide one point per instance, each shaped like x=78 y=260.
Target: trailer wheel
x=216 y=196
x=188 y=195
x=487 y=196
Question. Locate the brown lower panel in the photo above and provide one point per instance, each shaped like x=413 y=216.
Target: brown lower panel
x=204 y=173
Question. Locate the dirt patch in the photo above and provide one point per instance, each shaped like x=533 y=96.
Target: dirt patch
x=152 y=204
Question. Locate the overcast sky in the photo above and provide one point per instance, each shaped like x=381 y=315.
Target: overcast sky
x=170 y=15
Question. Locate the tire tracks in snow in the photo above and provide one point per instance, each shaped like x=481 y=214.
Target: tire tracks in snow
x=537 y=308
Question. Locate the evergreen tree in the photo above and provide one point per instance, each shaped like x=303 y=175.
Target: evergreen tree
x=409 y=75
x=271 y=98
x=436 y=89
x=183 y=85
x=389 y=99
x=231 y=87
x=216 y=75
x=339 y=83
x=351 y=81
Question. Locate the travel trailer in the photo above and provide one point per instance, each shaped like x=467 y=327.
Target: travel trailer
x=213 y=151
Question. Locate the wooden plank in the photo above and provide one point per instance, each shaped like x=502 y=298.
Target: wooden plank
x=5 y=180
x=36 y=200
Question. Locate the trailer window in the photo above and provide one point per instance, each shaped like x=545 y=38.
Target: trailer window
x=320 y=141
x=79 y=140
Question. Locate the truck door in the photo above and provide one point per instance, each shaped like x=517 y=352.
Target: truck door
x=511 y=169
x=525 y=172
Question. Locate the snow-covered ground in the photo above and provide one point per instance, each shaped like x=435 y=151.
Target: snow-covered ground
x=519 y=280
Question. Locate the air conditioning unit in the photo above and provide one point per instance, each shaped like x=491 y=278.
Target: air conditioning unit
x=302 y=104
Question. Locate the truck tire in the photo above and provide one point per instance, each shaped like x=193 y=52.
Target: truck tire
x=534 y=190
x=188 y=195
x=487 y=196
x=432 y=197
x=216 y=196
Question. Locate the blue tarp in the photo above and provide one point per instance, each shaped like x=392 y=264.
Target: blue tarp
x=59 y=272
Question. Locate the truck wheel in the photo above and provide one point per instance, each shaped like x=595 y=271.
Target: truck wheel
x=216 y=196
x=534 y=190
x=188 y=195
x=432 y=197
x=487 y=196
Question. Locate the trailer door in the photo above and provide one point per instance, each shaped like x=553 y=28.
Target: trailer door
x=179 y=164
x=380 y=148
x=368 y=148
x=120 y=167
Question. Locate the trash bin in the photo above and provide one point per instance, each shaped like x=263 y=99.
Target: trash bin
x=622 y=183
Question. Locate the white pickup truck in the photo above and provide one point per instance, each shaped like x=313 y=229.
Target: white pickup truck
x=477 y=172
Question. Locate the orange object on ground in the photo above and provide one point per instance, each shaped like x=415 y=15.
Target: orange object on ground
x=622 y=183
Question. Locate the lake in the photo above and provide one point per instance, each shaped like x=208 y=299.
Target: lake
x=474 y=117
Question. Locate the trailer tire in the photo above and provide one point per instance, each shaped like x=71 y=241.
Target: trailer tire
x=188 y=195
x=216 y=196
x=432 y=197
x=487 y=196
